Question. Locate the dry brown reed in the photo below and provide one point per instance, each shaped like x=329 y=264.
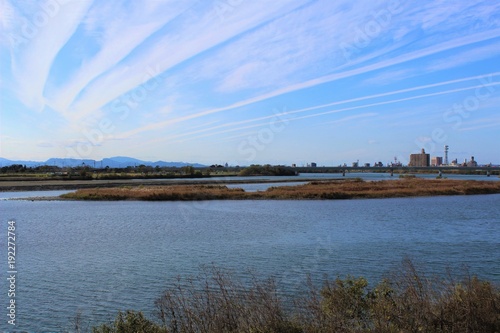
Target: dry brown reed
x=344 y=189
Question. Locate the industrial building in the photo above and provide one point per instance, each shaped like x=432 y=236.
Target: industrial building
x=436 y=161
x=420 y=160
x=471 y=163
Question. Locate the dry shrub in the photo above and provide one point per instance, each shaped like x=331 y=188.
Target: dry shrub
x=216 y=302
x=130 y=322
x=342 y=305
x=469 y=306
x=413 y=302
x=408 y=301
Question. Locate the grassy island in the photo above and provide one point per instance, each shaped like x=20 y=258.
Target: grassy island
x=336 y=189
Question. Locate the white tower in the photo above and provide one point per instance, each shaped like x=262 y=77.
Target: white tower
x=446 y=148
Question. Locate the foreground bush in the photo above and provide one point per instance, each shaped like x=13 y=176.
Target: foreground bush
x=130 y=322
x=407 y=302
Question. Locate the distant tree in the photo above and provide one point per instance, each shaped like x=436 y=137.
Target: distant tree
x=267 y=170
x=84 y=171
x=187 y=170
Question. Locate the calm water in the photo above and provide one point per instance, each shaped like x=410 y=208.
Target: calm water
x=31 y=194
x=100 y=257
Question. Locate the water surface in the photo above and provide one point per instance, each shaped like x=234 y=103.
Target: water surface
x=100 y=257
x=32 y=194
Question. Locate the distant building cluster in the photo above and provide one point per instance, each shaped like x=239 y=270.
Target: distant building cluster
x=424 y=160
x=421 y=159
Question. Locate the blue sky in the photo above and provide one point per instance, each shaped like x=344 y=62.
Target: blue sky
x=244 y=82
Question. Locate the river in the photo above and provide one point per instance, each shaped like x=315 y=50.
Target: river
x=96 y=258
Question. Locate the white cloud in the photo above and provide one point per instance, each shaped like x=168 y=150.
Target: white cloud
x=459 y=42
x=169 y=122
x=391 y=76
x=354 y=117
x=298 y=46
x=112 y=23
x=465 y=57
x=242 y=77
x=182 y=42
x=33 y=59
x=487 y=123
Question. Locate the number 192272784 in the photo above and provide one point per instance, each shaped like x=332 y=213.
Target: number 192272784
x=11 y=271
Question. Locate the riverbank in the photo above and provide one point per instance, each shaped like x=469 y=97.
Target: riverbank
x=336 y=189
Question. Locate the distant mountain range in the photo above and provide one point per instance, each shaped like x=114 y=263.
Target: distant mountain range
x=113 y=162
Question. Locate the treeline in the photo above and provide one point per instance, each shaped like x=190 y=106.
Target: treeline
x=106 y=173
x=20 y=168
x=409 y=301
x=267 y=170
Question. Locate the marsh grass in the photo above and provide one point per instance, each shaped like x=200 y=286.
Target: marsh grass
x=158 y=193
x=340 y=189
